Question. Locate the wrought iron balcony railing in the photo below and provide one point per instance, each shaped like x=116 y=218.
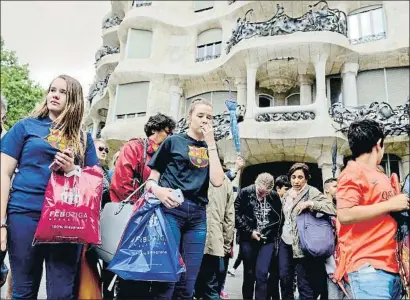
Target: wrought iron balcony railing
x=208 y=57
x=319 y=18
x=111 y=21
x=396 y=121
x=105 y=50
x=97 y=88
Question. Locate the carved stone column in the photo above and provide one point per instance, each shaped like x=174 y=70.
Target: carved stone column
x=175 y=95
x=320 y=70
x=280 y=99
x=349 y=87
x=325 y=164
x=251 y=70
x=240 y=84
x=305 y=83
x=95 y=128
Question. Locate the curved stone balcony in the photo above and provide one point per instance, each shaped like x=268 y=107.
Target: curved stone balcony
x=106 y=59
x=97 y=91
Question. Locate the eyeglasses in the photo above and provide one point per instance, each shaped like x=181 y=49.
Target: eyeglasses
x=101 y=149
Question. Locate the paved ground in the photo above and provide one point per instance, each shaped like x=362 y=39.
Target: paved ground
x=233 y=285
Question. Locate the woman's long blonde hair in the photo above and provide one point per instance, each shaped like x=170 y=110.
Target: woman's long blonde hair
x=70 y=119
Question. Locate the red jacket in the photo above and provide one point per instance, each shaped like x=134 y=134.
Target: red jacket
x=129 y=164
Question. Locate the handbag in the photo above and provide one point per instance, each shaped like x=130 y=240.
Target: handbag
x=115 y=217
x=316 y=234
x=3 y=269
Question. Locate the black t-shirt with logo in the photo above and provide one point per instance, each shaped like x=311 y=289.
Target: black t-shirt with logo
x=184 y=164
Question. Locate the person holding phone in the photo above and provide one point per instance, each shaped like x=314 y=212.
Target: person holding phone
x=259 y=219
x=51 y=134
x=186 y=161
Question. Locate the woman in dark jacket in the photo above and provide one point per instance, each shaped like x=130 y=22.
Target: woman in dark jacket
x=258 y=218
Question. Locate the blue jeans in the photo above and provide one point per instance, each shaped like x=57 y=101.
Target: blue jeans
x=371 y=283
x=26 y=261
x=188 y=224
x=256 y=258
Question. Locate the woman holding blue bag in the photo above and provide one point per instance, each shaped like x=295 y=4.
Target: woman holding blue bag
x=311 y=274
x=187 y=161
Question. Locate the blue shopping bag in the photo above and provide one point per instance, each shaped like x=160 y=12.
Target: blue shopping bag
x=148 y=251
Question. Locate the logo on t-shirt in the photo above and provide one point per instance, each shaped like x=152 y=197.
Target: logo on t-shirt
x=198 y=156
x=56 y=140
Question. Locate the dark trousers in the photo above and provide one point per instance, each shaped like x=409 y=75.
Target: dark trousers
x=273 y=280
x=238 y=260
x=26 y=261
x=256 y=258
x=130 y=289
x=188 y=225
x=311 y=274
x=210 y=278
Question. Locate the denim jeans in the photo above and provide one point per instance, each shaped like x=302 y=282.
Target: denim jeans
x=371 y=283
x=256 y=258
x=26 y=261
x=188 y=224
x=210 y=278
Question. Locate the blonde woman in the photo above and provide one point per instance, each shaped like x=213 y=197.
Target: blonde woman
x=51 y=134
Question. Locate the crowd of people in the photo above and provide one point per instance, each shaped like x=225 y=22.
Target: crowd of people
x=279 y=258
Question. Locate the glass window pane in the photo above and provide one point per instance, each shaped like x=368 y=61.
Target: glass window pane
x=200 y=52
x=378 y=22
x=218 y=48
x=365 y=24
x=209 y=49
x=353 y=26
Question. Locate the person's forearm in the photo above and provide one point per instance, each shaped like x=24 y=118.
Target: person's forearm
x=216 y=173
x=152 y=181
x=361 y=213
x=5 y=191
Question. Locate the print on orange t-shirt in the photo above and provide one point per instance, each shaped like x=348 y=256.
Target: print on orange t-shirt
x=372 y=241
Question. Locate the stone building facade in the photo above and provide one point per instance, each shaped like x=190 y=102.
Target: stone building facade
x=302 y=70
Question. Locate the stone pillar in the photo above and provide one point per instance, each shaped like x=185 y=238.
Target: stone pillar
x=175 y=95
x=240 y=84
x=349 y=86
x=325 y=163
x=305 y=83
x=320 y=71
x=251 y=70
x=405 y=165
x=280 y=99
x=95 y=128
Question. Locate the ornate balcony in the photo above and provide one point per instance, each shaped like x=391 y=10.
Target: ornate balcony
x=319 y=18
x=105 y=50
x=97 y=88
x=396 y=121
x=286 y=116
x=111 y=21
x=140 y=3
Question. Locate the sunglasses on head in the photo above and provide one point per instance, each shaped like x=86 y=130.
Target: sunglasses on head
x=101 y=149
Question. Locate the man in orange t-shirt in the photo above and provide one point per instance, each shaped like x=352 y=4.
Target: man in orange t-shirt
x=365 y=199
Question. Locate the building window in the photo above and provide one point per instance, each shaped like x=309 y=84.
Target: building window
x=217 y=98
x=208 y=51
x=131 y=100
x=138 y=44
x=203 y=5
x=209 y=44
x=366 y=25
x=334 y=89
x=391 y=164
x=293 y=99
x=266 y=100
